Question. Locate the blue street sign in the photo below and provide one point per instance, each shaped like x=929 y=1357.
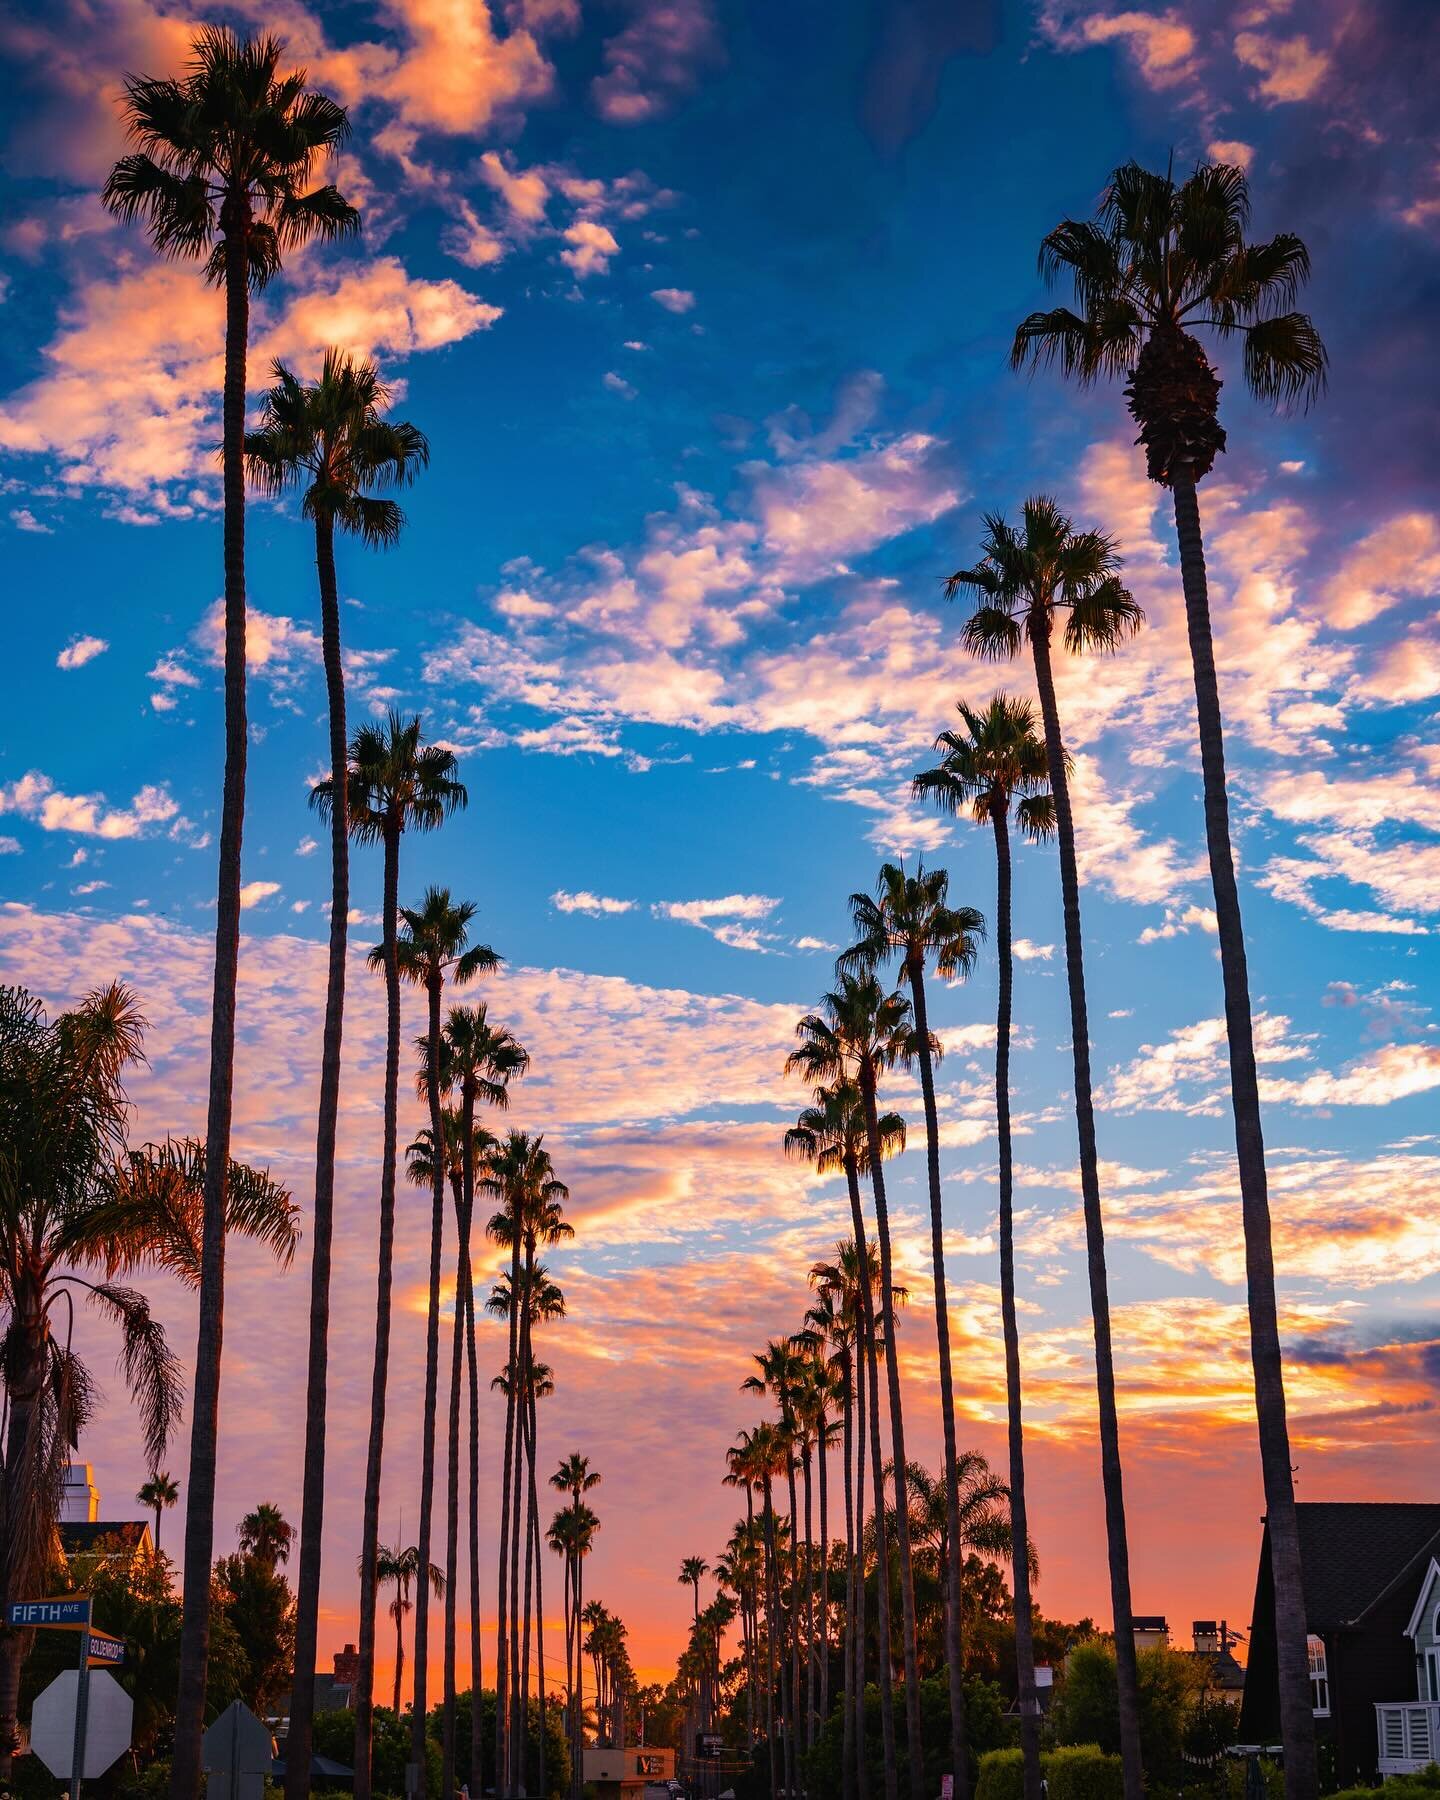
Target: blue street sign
x=70 y=1612
x=105 y=1649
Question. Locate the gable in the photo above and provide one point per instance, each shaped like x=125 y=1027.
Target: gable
x=1422 y=1619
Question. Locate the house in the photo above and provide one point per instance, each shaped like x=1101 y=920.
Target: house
x=334 y=1690
x=1371 y=1598
x=1212 y=1650
x=84 y=1533
x=1152 y=1631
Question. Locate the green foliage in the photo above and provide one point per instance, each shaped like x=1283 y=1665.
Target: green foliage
x=261 y=1609
x=1002 y=1775
x=1271 y=1773
x=1086 y=1709
x=557 y=1751
x=1082 y=1772
x=1424 y=1785
x=984 y=1725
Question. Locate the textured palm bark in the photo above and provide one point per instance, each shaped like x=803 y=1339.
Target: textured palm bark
x=1112 y=1482
x=847 y=1459
x=24 y=1385
x=811 y=1672
x=472 y=1358
x=452 y=1484
x=380 y=1372
x=882 y=1546
x=424 y=1532
x=824 y=1647
x=299 y=1742
x=502 y=1630
x=772 y=1618
x=1019 y=1528
x=959 y=1757
x=793 y=1722
x=1297 y=1724
x=185 y=1771
x=914 y=1739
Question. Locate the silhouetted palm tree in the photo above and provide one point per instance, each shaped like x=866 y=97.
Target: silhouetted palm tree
x=157 y=1495
x=328 y=439
x=1029 y=581
x=1158 y=262
x=399 y=1568
x=223 y=159
x=995 y=761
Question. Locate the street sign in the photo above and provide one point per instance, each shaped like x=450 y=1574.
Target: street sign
x=109 y=1713
x=947 y=1787
x=106 y=1650
x=237 y=1753
x=67 y=1612
x=709 y=1744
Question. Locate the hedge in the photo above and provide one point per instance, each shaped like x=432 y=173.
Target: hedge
x=1071 y=1772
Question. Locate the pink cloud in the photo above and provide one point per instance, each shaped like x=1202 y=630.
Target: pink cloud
x=655 y=59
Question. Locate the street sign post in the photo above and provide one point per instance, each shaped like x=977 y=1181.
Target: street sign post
x=103 y=1733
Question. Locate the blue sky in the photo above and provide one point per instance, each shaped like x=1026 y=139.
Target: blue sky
x=705 y=313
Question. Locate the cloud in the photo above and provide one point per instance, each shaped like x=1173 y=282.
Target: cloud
x=590 y=248
x=596 y=905
x=10 y=846
x=253 y=892
x=1292 y=68
x=35 y=796
x=1189 y=1072
x=23 y=519
x=1178 y=921
x=1397 y=561
x=1161 y=45
x=1231 y=150
x=81 y=650
x=1029 y=952
x=655 y=59
x=675 y=300
x=617 y=384
x=1394 y=1073
x=722 y=917
x=524 y=191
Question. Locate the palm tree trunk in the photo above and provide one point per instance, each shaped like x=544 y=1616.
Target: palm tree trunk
x=476 y=1646
x=847 y=1456
x=1019 y=1527
x=185 y=1772
x=418 y=1709
x=20 y=1483
x=824 y=1576
x=1127 y=1678
x=399 y=1645
x=542 y=1784
x=772 y=1620
x=793 y=1723
x=914 y=1740
x=312 y=1504
x=810 y=1670
x=502 y=1625
x=452 y=1483
x=882 y=1548
x=959 y=1758
x=384 y=1282
x=1297 y=1723
x=520 y=1644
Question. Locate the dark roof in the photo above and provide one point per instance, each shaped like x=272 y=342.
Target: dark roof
x=1352 y=1552
x=80 y=1535
x=1225 y=1673
x=1149 y=1622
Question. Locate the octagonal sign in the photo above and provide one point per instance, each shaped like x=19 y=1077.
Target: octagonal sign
x=109 y=1713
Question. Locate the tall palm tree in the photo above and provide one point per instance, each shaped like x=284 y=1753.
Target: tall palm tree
x=760 y=1455
x=859 y=1034
x=394 y=783
x=266 y=1535
x=328 y=439
x=1030 y=580
x=158 y=1495
x=1161 y=260
x=81 y=1212
x=522 y=1178
x=834 y=1133
x=433 y=947
x=399 y=1568
x=221 y=170
x=575 y=1477
x=911 y=917
x=478 y=1061
x=995 y=761
x=693 y=1570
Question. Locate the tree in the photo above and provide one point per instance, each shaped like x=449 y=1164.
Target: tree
x=158 y=1495
x=1028 y=580
x=399 y=1568
x=693 y=1570
x=221 y=170
x=82 y=1212
x=1159 y=261
x=395 y=783
x=859 y=1034
x=328 y=439
x=995 y=761
x=260 y=1606
x=433 y=946
x=911 y=917
x=266 y=1535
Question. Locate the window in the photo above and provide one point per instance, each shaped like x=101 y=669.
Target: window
x=1319 y=1678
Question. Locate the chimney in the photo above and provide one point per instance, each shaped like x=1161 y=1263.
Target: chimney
x=347 y=1665
x=1207 y=1637
x=79 y=1496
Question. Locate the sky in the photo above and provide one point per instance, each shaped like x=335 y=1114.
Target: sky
x=704 y=308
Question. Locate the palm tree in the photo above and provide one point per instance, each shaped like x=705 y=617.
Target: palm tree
x=911 y=916
x=860 y=1033
x=265 y=1535
x=479 y=1060
x=1159 y=261
x=995 y=761
x=223 y=159
x=522 y=1178
x=157 y=1495
x=757 y=1458
x=394 y=783
x=433 y=946
x=834 y=1133
x=1028 y=579
x=693 y=1570
x=328 y=439
x=81 y=1211
x=575 y=1477
x=399 y=1568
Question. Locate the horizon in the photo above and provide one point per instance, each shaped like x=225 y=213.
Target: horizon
x=707 y=328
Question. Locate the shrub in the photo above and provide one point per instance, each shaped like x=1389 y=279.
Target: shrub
x=1082 y=1772
x=1002 y=1776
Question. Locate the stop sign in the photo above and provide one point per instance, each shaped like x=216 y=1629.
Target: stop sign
x=109 y=1712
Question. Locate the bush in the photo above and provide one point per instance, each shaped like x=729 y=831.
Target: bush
x=1236 y=1778
x=1424 y=1786
x=1002 y=1776
x=819 y=1770
x=1082 y=1772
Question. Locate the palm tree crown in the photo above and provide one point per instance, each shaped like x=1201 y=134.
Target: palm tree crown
x=329 y=435
x=1157 y=260
x=226 y=152
x=434 y=943
x=998 y=757
x=911 y=914
x=395 y=782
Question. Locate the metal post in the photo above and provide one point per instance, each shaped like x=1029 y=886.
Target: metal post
x=82 y=1703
